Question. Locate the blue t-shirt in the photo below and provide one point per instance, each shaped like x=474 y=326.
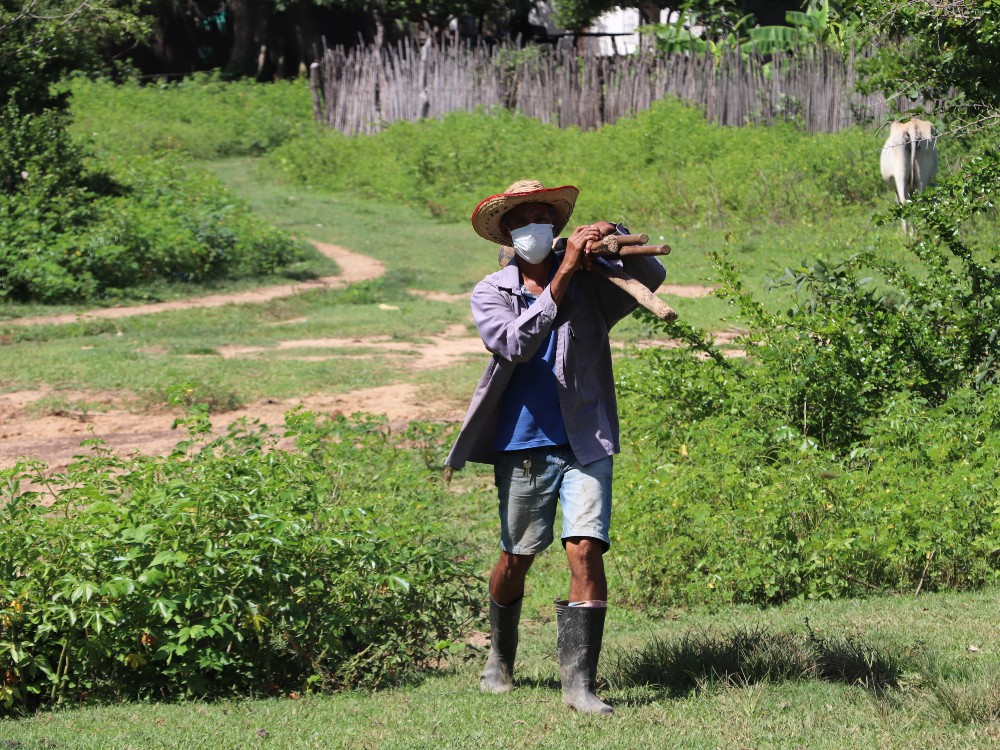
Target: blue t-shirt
x=529 y=414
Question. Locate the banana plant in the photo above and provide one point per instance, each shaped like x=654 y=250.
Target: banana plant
x=817 y=23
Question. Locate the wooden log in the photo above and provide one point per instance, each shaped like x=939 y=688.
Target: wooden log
x=316 y=86
x=611 y=244
x=634 y=250
x=636 y=289
x=619 y=278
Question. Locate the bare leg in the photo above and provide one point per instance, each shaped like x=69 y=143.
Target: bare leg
x=507 y=579
x=586 y=567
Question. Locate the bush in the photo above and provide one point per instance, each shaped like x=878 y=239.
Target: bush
x=666 y=166
x=142 y=220
x=230 y=567
x=75 y=228
x=854 y=452
x=737 y=512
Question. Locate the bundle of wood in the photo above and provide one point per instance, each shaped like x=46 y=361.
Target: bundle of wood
x=622 y=246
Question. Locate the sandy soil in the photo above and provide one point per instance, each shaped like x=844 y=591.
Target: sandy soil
x=53 y=435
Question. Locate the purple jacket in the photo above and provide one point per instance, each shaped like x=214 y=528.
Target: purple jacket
x=512 y=330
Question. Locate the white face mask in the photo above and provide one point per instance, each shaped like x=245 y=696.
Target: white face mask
x=533 y=242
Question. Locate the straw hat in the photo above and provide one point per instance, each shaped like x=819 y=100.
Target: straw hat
x=486 y=218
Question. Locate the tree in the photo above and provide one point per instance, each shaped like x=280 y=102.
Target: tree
x=40 y=42
x=276 y=38
x=943 y=51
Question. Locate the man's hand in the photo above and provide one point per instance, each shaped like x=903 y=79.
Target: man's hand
x=578 y=246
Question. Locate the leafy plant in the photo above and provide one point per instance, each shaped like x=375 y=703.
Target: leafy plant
x=154 y=218
x=854 y=452
x=229 y=567
x=818 y=23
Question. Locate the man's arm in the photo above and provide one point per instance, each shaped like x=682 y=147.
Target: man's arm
x=512 y=337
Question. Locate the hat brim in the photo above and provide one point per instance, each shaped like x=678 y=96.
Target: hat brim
x=486 y=219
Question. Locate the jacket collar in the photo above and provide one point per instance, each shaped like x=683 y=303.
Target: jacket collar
x=509 y=277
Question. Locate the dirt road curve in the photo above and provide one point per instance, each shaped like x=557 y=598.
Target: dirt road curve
x=354 y=268
x=55 y=438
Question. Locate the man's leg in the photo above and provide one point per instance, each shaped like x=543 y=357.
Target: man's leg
x=507 y=578
x=586 y=568
x=586 y=501
x=506 y=595
x=527 y=488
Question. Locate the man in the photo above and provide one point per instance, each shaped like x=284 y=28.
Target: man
x=545 y=415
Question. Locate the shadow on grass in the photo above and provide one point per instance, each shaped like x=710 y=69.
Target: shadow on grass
x=673 y=667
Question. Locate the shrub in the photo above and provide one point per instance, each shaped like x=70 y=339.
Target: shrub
x=229 y=567
x=666 y=165
x=737 y=512
x=142 y=220
x=854 y=452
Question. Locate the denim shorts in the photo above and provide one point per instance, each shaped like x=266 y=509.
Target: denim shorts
x=530 y=482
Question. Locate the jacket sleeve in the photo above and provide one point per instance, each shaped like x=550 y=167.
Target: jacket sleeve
x=510 y=336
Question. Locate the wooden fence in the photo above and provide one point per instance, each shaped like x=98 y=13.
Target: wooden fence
x=365 y=88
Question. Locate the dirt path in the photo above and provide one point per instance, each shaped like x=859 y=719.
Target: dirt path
x=53 y=435
x=353 y=268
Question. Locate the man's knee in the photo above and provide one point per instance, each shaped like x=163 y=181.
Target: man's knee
x=514 y=565
x=586 y=555
x=584 y=547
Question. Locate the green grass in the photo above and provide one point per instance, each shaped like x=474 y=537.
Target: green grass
x=146 y=354
x=445 y=709
x=420 y=252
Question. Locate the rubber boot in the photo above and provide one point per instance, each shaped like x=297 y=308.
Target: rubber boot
x=498 y=676
x=581 y=631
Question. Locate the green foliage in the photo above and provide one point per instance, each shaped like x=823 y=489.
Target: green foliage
x=577 y=15
x=40 y=42
x=43 y=40
x=666 y=166
x=817 y=23
x=75 y=230
x=203 y=116
x=857 y=452
x=146 y=219
x=946 y=53
x=229 y=567
x=743 y=509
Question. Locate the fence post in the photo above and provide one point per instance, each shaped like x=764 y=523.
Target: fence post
x=316 y=84
x=424 y=105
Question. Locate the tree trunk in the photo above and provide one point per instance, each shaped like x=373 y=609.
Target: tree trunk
x=649 y=12
x=249 y=20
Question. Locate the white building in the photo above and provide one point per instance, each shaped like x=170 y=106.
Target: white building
x=620 y=23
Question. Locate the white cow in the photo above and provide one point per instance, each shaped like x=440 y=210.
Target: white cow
x=909 y=158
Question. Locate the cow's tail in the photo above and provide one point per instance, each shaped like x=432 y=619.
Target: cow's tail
x=913 y=141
